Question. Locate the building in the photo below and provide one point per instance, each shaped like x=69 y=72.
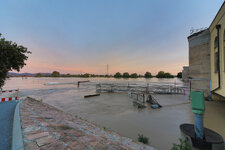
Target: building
x=217 y=54
x=199 y=61
x=185 y=73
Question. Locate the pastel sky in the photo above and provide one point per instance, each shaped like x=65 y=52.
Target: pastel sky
x=79 y=36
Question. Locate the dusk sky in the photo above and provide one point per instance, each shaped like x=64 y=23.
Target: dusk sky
x=79 y=36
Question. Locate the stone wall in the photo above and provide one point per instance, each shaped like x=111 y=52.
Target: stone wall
x=199 y=61
x=185 y=73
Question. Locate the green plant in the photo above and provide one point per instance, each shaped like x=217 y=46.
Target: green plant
x=134 y=75
x=148 y=75
x=55 y=74
x=12 y=57
x=183 y=145
x=117 y=75
x=179 y=75
x=142 y=139
x=126 y=75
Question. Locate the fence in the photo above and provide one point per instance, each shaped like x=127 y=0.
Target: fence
x=9 y=95
x=137 y=88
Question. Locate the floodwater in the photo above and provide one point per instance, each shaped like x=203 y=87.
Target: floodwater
x=116 y=111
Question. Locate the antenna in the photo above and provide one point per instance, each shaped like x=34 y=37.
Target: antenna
x=107 y=69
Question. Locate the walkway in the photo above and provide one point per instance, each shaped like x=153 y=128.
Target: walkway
x=45 y=127
x=6 y=123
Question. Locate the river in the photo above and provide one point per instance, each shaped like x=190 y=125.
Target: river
x=116 y=111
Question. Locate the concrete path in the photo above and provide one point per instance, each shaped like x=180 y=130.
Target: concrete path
x=6 y=124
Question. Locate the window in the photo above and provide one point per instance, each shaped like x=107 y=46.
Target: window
x=216 y=57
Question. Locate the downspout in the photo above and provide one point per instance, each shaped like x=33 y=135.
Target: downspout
x=218 y=56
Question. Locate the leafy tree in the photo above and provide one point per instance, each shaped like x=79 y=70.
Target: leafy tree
x=134 y=75
x=117 y=75
x=12 y=57
x=148 y=75
x=38 y=75
x=168 y=75
x=126 y=75
x=55 y=74
x=162 y=74
x=86 y=75
x=179 y=75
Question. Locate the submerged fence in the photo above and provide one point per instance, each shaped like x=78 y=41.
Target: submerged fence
x=138 y=88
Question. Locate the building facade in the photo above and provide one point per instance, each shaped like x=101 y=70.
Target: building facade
x=199 y=61
x=185 y=74
x=217 y=54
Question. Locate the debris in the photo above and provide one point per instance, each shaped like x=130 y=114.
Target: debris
x=92 y=95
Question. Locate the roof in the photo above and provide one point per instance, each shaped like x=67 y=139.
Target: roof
x=217 y=13
x=197 y=33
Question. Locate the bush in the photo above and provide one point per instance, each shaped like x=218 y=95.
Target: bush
x=142 y=139
x=183 y=145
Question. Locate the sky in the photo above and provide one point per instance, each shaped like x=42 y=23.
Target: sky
x=83 y=36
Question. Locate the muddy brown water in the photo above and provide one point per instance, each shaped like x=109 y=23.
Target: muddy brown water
x=116 y=111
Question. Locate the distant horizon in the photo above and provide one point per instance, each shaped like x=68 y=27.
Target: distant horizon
x=86 y=73
x=84 y=36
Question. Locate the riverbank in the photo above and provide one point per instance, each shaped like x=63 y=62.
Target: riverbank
x=45 y=127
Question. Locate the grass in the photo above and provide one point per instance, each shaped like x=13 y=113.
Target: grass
x=142 y=139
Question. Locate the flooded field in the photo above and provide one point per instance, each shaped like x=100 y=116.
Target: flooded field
x=116 y=111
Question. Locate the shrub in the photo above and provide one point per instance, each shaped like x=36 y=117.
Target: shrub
x=142 y=139
x=183 y=145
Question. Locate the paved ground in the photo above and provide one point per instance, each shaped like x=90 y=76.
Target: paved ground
x=45 y=127
x=6 y=123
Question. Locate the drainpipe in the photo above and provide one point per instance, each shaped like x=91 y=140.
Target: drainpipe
x=218 y=56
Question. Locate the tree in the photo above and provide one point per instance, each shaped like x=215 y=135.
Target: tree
x=160 y=74
x=134 y=75
x=38 y=75
x=117 y=75
x=168 y=75
x=148 y=75
x=179 y=75
x=55 y=74
x=12 y=57
x=126 y=75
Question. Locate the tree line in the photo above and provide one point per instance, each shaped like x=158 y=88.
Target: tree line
x=161 y=74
